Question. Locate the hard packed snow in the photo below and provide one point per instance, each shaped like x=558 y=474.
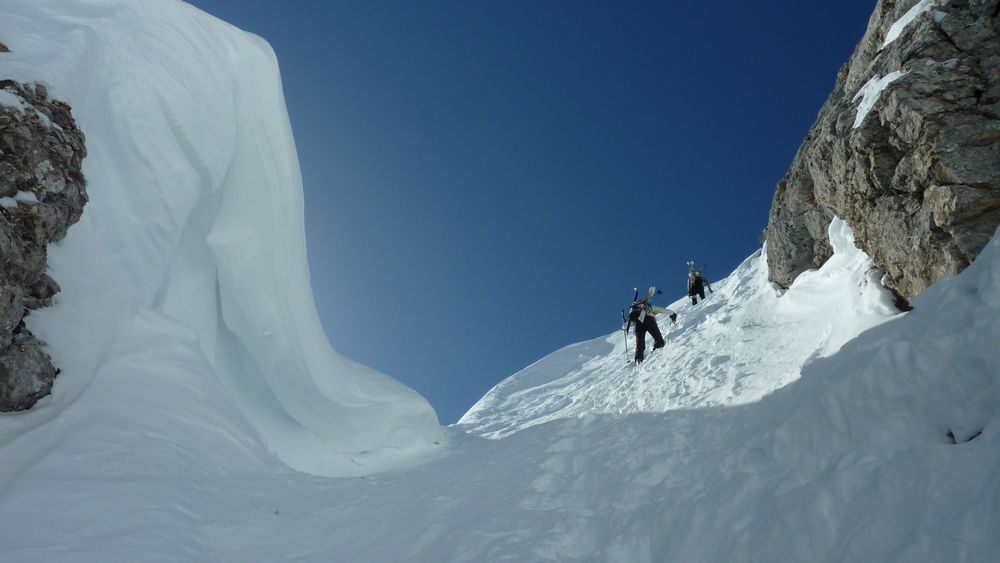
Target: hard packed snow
x=813 y=424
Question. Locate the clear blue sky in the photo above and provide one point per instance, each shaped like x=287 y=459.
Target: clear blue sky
x=486 y=181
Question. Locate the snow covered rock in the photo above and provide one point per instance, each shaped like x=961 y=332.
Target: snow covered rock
x=906 y=149
x=42 y=193
x=26 y=373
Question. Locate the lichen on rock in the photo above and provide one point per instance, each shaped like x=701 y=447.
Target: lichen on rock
x=912 y=163
x=42 y=193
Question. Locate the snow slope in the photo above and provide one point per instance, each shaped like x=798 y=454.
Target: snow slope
x=850 y=462
x=196 y=223
x=720 y=352
x=768 y=429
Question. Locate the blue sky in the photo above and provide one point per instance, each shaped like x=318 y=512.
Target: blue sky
x=486 y=181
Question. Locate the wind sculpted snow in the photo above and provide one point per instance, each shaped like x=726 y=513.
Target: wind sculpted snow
x=196 y=215
x=850 y=462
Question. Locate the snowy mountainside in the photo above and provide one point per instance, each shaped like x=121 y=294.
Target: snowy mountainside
x=745 y=340
x=815 y=425
x=850 y=462
x=195 y=222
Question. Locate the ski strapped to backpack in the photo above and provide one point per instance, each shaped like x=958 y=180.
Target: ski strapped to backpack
x=694 y=272
x=639 y=310
x=640 y=307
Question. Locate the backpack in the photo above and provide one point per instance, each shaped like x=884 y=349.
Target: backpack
x=695 y=279
x=637 y=313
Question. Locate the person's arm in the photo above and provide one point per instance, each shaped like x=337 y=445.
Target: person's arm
x=665 y=311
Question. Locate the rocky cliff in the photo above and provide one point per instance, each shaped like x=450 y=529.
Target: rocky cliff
x=42 y=193
x=906 y=149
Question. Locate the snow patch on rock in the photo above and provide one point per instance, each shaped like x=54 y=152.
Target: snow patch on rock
x=899 y=25
x=870 y=92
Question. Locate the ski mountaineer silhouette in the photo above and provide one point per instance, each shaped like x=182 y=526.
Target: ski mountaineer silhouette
x=643 y=314
x=696 y=284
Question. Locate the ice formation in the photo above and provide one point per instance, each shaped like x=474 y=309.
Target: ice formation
x=196 y=222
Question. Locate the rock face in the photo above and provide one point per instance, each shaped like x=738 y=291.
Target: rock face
x=42 y=193
x=906 y=149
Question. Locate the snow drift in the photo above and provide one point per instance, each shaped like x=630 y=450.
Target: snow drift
x=195 y=223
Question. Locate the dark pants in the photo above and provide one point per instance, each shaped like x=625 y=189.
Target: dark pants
x=696 y=288
x=641 y=328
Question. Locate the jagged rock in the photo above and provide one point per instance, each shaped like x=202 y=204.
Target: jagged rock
x=3 y=48
x=41 y=294
x=42 y=193
x=918 y=176
x=11 y=313
x=26 y=373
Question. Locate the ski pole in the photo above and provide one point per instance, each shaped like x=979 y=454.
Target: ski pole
x=625 y=332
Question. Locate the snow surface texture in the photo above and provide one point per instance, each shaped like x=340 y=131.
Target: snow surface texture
x=851 y=462
x=720 y=352
x=854 y=458
x=193 y=238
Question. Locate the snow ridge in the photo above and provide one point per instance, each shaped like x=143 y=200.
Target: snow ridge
x=720 y=352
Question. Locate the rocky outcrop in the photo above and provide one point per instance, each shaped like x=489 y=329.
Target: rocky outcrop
x=42 y=193
x=906 y=149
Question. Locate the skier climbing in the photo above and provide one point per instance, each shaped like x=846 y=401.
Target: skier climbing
x=643 y=315
x=696 y=283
